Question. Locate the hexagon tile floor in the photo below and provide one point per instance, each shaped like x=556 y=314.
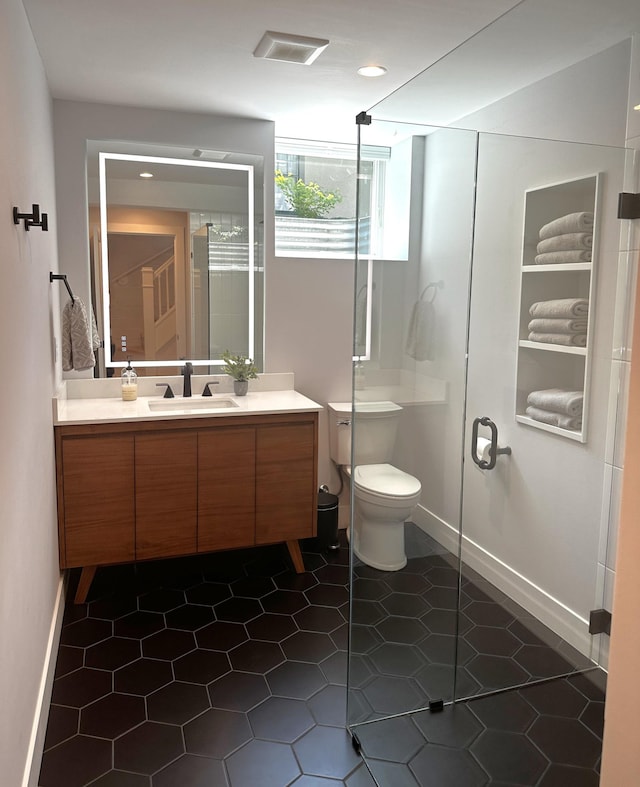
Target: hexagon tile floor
x=229 y=670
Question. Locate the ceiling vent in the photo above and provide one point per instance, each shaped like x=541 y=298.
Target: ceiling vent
x=289 y=48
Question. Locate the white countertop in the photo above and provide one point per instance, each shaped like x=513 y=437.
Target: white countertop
x=114 y=410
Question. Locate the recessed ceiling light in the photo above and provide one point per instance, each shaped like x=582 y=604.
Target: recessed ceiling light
x=146 y=174
x=290 y=48
x=637 y=107
x=372 y=71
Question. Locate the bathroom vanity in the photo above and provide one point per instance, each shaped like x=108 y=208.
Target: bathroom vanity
x=157 y=484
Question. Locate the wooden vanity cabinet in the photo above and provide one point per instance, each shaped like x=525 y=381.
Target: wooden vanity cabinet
x=96 y=509
x=166 y=473
x=154 y=489
x=226 y=488
x=285 y=482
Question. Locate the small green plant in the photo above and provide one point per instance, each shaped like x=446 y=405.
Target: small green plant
x=239 y=366
x=307 y=200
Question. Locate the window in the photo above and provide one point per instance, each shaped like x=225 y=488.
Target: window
x=316 y=208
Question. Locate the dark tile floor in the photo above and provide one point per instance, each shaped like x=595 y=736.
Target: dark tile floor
x=221 y=671
x=546 y=734
x=543 y=735
x=404 y=645
x=229 y=670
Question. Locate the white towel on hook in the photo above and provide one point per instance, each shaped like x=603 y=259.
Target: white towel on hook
x=79 y=337
x=420 y=340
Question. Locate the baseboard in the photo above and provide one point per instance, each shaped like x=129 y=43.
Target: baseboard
x=39 y=728
x=548 y=610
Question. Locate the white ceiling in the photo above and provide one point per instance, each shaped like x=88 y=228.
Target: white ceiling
x=197 y=55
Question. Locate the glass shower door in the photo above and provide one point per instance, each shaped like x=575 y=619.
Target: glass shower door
x=545 y=263
x=500 y=357
x=415 y=272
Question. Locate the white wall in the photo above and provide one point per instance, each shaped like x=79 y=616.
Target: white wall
x=29 y=576
x=523 y=536
x=589 y=102
x=584 y=103
x=447 y=237
x=308 y=330
x=539 y=511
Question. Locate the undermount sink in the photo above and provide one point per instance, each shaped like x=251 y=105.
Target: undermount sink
x=190 y=405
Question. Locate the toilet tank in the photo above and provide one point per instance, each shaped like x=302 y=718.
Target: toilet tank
x=376 y=425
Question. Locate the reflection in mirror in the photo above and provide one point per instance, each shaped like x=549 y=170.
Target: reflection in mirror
x=180 y=275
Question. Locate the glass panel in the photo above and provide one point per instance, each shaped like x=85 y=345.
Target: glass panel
x=407 y=425
x=502 y=424
x=540 y=339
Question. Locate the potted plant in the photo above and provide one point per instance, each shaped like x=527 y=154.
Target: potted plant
x=241 y=368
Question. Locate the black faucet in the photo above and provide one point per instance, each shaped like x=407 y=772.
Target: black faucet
x=187 y=371
x=168 y=393
x=206 y=391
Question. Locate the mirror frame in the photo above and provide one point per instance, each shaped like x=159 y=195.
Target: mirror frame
x=103 y=158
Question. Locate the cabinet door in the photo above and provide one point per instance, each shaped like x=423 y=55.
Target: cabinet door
x=285 y=482
x=226 y=488
x=166 y=494
x=97 y=489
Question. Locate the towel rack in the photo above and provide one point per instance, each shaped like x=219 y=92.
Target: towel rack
x=62 y=277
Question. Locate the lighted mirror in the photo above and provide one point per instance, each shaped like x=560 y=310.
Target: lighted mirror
x=177 y=260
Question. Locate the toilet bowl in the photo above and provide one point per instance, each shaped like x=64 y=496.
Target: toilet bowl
x=384 y=496
x=384 y=499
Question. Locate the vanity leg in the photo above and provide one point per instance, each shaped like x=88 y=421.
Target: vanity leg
x=296 y=556
x=86 y=578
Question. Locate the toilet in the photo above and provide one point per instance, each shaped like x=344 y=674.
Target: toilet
x=384 y=495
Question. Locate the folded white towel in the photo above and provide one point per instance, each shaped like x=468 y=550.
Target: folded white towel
x=419 y=344
x=566 y=339
x=561 y=308
x=558 y=400
x=79 y=337
x=569 y=257
x=554 y=419
x=572 y=222
x=549 y=325
x=568 y=242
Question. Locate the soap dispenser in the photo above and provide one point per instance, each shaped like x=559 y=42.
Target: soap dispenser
x=129 y=383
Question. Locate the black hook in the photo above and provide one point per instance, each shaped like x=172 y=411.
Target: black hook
x=33 y=219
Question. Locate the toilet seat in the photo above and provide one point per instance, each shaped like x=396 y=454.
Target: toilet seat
x=384 y=481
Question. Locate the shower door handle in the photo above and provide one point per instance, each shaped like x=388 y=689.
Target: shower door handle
x=493 y=450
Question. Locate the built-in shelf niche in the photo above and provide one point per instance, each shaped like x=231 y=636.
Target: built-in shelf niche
x=541 y=366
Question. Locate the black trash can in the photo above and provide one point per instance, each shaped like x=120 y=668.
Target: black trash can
x=328 y=521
